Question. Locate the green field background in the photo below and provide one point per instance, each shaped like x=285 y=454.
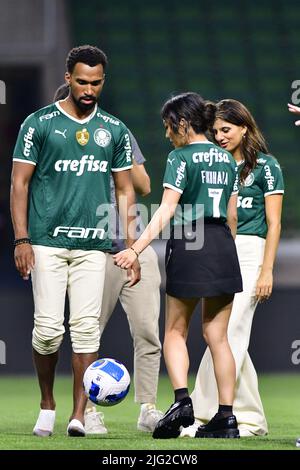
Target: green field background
x=19 y=406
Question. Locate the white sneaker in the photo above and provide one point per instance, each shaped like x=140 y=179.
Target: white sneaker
x=45 y=423
x=298 y=442
x=149 y=417
x=190 y=431
x=94 y=422
x=75 y=428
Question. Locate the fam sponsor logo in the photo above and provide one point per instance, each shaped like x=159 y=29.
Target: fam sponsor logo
x=180 y=174
x=245 y=202
x=269 y=177
x=49 y=116
x=102 y=137
x=79 y=232
x=87 y=163
x=211 y=157
x=28 y=143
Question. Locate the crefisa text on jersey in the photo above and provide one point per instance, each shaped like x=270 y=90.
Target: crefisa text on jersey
x=211 y=157
x=87 y=162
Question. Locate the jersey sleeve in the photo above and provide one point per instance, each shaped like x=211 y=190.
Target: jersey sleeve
x=136 y=151
x=29 y=142
x=176 y=173
x=272 y=178
x=122 y=157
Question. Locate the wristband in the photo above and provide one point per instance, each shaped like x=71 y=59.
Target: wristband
x=137 y=254
x=20 y=241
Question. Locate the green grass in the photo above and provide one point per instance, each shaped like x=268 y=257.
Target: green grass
x=19 y=399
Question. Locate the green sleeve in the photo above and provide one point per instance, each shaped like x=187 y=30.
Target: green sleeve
x=176 y=173
x=29 y=141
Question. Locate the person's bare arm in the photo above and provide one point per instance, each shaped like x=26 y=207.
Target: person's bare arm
x=125 y=197
x=140 y=179
x=232 y=214
x=273 y=207
x=20 y=179
x=124 y=259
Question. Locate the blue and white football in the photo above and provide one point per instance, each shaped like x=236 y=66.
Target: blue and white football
x=106 y=382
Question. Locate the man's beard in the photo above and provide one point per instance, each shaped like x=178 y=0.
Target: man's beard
x=84 y=106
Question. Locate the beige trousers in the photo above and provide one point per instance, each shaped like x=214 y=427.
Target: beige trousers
x=247 y=404
x=142 y=305
x=81 y=274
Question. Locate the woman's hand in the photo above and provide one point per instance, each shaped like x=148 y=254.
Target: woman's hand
x=125 y=258
x=264 y=285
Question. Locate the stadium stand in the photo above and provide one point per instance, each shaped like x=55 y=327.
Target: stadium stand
x=156 y=49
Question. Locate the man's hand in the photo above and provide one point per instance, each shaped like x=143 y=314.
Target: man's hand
x=24 y=259
x=296 y=110
x=134 y=274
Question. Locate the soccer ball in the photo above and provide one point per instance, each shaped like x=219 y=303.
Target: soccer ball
x=106 y=382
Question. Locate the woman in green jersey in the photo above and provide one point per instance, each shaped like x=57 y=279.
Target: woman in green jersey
x=200 y=184
x=258 y=231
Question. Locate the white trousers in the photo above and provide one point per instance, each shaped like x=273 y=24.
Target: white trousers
x=247 y=405
x=81 y=274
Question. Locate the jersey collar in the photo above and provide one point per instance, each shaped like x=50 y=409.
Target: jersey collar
x=80 y=121
x=200 y=142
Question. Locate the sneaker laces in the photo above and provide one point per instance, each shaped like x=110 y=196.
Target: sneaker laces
x=98 y=416
x=156 y=414
x=95 y=417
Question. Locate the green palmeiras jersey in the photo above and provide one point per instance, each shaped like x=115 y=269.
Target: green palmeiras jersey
x=69 y=196
x=266 y=179
x=206 y=176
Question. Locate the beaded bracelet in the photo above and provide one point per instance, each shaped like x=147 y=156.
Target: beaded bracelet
x=20 y=241
x=137 y=254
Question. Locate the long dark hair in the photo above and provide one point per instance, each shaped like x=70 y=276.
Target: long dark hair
x=235 y=112
x=61 y=93
x=197 y=112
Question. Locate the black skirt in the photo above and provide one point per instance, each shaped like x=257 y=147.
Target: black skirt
x=210 y=271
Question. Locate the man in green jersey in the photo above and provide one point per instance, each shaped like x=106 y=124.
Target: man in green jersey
x=60 y=202
x=140 y=303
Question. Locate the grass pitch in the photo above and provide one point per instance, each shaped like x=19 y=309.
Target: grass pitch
x=19 y=406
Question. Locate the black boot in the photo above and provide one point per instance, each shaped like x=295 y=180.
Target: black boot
x=219 y=426
x=181 y=413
